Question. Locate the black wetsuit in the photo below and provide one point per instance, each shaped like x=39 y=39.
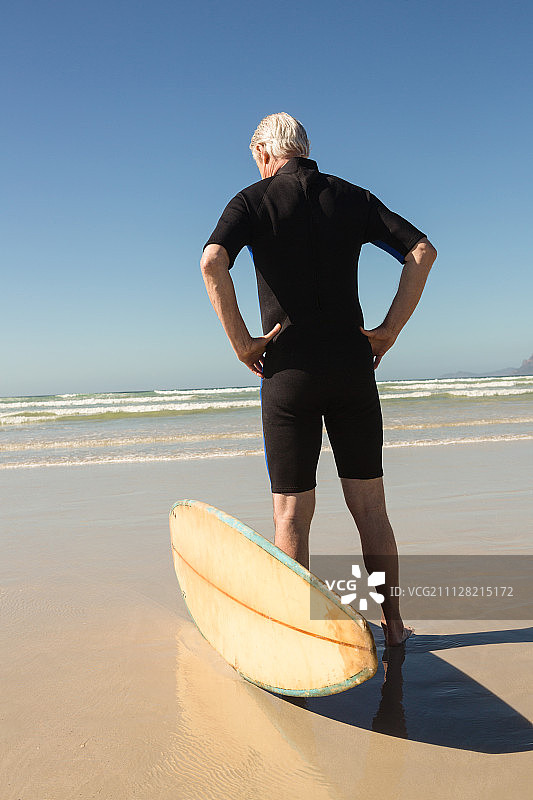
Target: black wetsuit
x=305 y=230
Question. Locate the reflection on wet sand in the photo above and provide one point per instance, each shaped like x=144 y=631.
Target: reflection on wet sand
x=390 y=715
x=426 y=699
x=235 y=736
x=231 y=734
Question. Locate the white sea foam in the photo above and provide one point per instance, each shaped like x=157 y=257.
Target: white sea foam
x=140 y=459
x=445 y=381
x=458 y=392
x=405 y=395
x=97 y=401
x=127 y=441
x=445 y=387
x=59 y=411
x=186 y=438
x=492 y=392
x=192 y=456
x=466 y=423
x=8 y=419
x=229 y=390
x=172 y=403
x=466 y=440
x=38 y=412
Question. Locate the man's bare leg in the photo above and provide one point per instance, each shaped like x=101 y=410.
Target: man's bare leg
x=292 y=519
x=366 y=502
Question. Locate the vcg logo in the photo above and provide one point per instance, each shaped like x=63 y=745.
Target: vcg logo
x=350 y=586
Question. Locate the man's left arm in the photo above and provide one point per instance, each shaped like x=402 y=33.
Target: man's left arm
x=417 y=265
x=250 y=350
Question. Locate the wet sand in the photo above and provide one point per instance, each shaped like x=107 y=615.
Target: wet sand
x=109 y=690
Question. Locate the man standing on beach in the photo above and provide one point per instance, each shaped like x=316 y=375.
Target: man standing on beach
x=316 y=362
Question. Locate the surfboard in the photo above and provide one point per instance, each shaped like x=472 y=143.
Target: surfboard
x=252 y=602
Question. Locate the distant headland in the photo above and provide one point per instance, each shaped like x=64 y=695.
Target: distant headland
x=525 y=368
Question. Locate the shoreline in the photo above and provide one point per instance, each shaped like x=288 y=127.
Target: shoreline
x=186 y=457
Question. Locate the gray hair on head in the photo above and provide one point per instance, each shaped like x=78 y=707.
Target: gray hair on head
x=282 y=136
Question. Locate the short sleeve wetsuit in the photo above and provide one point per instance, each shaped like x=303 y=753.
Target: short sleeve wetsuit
x=305 y=230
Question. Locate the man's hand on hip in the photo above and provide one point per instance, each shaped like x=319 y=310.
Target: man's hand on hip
x=215 y=271
x=252 y=355
x=381 y=339
x=418 y=263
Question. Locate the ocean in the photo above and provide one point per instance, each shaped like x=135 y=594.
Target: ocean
x=189 y=424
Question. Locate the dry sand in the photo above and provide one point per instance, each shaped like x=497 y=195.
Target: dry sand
x=109 y=690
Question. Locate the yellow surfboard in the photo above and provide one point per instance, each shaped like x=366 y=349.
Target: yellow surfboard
x=252 y=602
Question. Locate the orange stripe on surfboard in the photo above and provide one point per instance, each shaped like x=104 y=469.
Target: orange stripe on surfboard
x=266 y=616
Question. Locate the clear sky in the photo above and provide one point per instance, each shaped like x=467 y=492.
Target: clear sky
x=125 y=130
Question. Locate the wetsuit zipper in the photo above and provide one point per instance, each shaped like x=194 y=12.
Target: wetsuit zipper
x=313 y=238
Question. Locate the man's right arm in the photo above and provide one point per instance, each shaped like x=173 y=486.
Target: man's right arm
x=417 y=265
x=248 y=349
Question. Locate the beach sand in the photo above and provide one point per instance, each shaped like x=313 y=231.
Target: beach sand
x=109 y=690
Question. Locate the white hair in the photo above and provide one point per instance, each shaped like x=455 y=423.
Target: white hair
x=282 y=136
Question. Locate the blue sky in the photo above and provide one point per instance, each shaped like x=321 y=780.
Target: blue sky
x=125 y=129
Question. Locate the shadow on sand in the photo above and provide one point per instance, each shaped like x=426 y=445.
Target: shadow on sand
x=418 y=696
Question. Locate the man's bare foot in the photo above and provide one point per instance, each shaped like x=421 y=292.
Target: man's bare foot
x=398 y=638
